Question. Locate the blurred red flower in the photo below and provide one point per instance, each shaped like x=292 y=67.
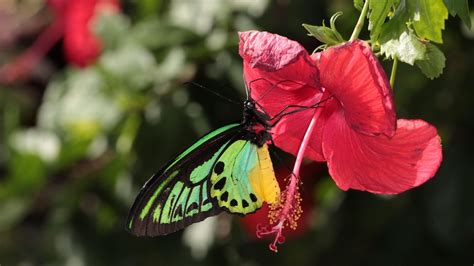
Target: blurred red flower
x=81 y=45
x=73 y=22
x=356 y=133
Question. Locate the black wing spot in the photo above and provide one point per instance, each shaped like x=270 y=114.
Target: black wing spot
x=219 y=168
x=206 y=201
x=245 y=204
x=172 y=200
x=192 y=207
x=233 y=203
x=220 y=184
x=253 y=197
x=178 y=212
x=225 y=196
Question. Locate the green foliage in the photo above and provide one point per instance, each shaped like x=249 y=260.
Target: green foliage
x=459 y=8
x=406 y=33
x=113 y=29
x=428 y=18
x=358 y=4
x=329 y=36
x=407 y=48
x=403 y=29
x=148 y=8
x=433 y=63
x=324 y=34
x=396 y=25
x=379 y=11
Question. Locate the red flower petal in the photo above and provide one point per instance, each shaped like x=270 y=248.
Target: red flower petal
x=380 y=164
x=278 y=72
x=356 y=79
x=356 y=131
x=289 y=132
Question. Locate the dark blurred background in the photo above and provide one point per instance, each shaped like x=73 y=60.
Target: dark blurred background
x=81 y=131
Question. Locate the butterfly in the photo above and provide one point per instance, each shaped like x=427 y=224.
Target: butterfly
x=229 y=169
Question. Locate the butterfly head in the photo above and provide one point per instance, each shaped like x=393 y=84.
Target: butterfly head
x=249 y=105
x=253 y=116
x=256 y=123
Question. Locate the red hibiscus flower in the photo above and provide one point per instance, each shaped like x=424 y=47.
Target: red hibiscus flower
x=356 y=130
x=73 y=22
x=354 y=127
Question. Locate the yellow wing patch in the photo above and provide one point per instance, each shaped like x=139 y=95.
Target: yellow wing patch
x=262 y=177
x=243 y=178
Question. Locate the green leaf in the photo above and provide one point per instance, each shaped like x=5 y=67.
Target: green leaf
x=407 y=48
x=324 y=34
x=459 y=8
x=433 y=63
x=379 y=11
x=358 y=4
x=396 y=25
x=428 y=18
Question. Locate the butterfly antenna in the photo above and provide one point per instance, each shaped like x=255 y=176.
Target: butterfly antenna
x=273 y=86
x=249 y=87
x=213 y=92
x=247 y=90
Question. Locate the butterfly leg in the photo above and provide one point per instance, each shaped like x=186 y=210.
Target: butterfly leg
x=284 y=111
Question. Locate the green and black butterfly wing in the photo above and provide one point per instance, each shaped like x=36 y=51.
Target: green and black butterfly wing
x=224 y=170
x=179 y=194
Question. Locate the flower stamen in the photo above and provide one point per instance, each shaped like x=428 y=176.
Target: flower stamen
x=288 y=210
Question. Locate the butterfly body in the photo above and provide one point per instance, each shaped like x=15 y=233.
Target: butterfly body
x=228 y=169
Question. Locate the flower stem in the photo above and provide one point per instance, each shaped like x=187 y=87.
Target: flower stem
x=393 y=74
x=289 y=209
x=360 y=22
x=299 y=159
x=22 y=65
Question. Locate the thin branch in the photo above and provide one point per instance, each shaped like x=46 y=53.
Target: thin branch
x=360 y=22
x=393 y=74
